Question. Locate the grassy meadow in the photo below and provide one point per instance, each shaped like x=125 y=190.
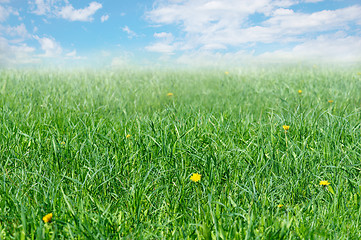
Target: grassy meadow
x=110 y=154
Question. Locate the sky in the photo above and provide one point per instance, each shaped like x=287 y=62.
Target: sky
x=178 y=32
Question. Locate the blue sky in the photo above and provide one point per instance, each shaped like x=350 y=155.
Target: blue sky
x=181 y=32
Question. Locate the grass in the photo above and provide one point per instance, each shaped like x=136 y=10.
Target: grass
x=110 y=155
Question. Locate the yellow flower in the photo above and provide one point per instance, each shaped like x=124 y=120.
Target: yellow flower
x=324 y=183
x=62 y=143
x=47 y=218
x=299 y=91
x=226 y=72
x=128 y=136
x=169 y=94
x=330 y=101
x=285 y=127
x=195 y=177
x=280 y=205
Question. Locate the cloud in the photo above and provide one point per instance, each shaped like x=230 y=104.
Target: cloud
x=68 y=12
x=164 y=35
x=104 y=18
x=50 y=47
x=6 y=12
x=299 y=23
x=42 y=7
x=194 y=15
x=215 y=59
x=63 y=9
x=18 y=31
x=161 y=48
x=71 y=54
x=312 y=1
x=130 y=33
x=212 y=25
x=165 y=44
x=328 y=47
x=15 y=54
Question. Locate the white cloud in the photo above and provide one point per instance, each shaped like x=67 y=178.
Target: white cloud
x=331 y=47
x=6 y=12
x=63 y=9
x=130 y=33
x=208 y=58
x=165 y=44
x=299 y=23
x=161 y=47
x=18 y=31
x=312 y=1
x=43 y=7
x=328 y=48
x=50 y=47
x=220 y=24
x=199 y=15
x=68 y=12
x=15 y=54
x=165 y=35
x=104 y=18
x=71 y=54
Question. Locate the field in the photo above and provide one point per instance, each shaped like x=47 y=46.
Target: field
x=110 y=154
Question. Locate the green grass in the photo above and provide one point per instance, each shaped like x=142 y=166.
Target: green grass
x=64 y=150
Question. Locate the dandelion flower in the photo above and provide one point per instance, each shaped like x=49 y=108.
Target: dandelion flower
x=286 y=127
x=195 y=177
x=280 y=205
x=226 y=72
x=47 y=218
x=330 y=101
x=300 y=91
x=128 y=136
x=324 y=183
x=169 y=94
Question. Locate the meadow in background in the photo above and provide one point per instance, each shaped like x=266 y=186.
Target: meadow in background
x=266 y=153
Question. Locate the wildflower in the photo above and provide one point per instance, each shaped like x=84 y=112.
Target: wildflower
x=195 y=177
x=285 y=127
x=47 y=218
x=226 y=72
x=280 y=205
x=62 y=143
x=299 y=91
x=330 y=101
x=128 y=136
x=324 y=183
x=169 y=94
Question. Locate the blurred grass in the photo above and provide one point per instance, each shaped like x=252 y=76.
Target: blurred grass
x=64 y=150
